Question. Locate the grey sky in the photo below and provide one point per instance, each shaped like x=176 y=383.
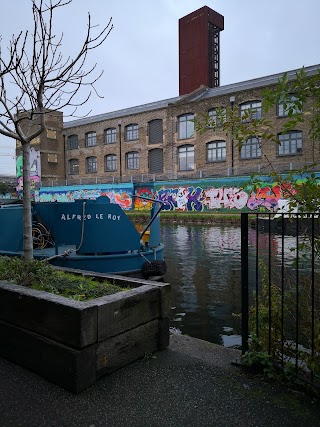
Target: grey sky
x=140 y=57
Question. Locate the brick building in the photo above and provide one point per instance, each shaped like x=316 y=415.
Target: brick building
x=158 y=140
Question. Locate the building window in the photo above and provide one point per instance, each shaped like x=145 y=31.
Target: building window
x=217 y=116
x=132 y=132
x=290 y=143
x=110 y=162
x=91 y=164
x=216 y=151
x=155 y=131
x=110 y=136
x=186 y=158
x=289 y=105
x=91 y=139
x=73 y=167
x=251 y=149
x=132 y=160
x=251 y=111
x=73 y=143
x=186 y=126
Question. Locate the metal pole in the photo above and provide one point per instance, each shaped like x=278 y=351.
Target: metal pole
x=244 y=282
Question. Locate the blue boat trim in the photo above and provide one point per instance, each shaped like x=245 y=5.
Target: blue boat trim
x=91 y=235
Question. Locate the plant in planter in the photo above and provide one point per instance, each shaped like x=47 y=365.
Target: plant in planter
x=74 y=342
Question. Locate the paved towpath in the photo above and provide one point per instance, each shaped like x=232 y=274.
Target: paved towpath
x=190 y=384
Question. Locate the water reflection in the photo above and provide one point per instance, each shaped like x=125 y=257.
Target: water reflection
x=204 y=271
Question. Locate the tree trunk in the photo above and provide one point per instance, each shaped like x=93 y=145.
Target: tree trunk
x=27 y=215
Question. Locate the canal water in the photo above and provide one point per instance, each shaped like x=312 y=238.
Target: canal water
x=204 y=270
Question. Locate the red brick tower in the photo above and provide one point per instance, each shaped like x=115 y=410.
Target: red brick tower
x=199 y=49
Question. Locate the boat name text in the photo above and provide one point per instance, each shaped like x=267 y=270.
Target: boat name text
x=70 y=217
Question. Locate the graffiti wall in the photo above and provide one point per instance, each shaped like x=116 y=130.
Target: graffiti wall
x=140 y=203
x=223 y=195
x=120 y=195
x=35 y=169
x=217 y=194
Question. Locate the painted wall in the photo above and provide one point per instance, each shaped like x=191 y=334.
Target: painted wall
x=120 y=194
x=217 y=194
x=223 y=194
x=35 y=169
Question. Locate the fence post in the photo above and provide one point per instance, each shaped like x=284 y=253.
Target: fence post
x=244 y=283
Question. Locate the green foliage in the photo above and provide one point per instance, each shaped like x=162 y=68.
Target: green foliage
x=42 y=276
x=261 y=362
x=282 y=325
x=6 y=188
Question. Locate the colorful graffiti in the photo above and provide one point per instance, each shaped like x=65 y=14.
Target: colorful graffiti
x=140 y=204
x=122 y=197
x=224 y=198
x=219 y=195
x=228 y=198
x=35 y=169
x=182 y=198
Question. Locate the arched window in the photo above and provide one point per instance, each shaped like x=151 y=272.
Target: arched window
x=217 y=116
x=251 y=148
x=250 y=111
x=73 y=167
x=290 y=143
x=91 y=164
x=186 y=126
x=289 y=105
x=132 y=132
x=73 y=142
x=91 y=139
x=132 y=160
x=110 y=162
x=110 y=136
x=186 y=158
x=216 y=151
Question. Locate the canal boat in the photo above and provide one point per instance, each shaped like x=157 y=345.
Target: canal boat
x=92 y=235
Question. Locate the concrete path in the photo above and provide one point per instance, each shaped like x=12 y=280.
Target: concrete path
x=190 y=384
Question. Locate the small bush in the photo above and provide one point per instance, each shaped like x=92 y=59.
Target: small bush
x=42 y=276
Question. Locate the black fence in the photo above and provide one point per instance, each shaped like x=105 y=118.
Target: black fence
x=280 y=257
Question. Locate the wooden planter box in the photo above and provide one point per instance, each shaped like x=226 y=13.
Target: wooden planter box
x=73 y=343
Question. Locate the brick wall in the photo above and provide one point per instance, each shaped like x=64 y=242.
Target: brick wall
x=202 y=167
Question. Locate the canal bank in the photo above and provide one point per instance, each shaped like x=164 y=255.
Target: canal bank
x=192 y=383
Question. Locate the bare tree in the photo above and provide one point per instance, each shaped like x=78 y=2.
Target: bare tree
x=41 y=80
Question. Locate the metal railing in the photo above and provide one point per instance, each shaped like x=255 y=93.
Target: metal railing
x=281 y=290
x=215 y=170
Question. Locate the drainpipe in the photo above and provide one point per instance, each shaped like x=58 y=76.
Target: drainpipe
x=232 y=99
x=64 y=157
x=120 y=153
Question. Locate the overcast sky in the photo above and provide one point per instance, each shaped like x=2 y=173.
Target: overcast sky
x=140 y=57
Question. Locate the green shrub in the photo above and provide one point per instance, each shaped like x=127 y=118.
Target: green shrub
x=42 y=276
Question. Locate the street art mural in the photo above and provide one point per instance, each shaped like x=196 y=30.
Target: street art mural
x=120 y=196
x=228 y=198
x=35 y=169
x=140 y=204
x=182 y=198
x=224 y=195
x=216 y=195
